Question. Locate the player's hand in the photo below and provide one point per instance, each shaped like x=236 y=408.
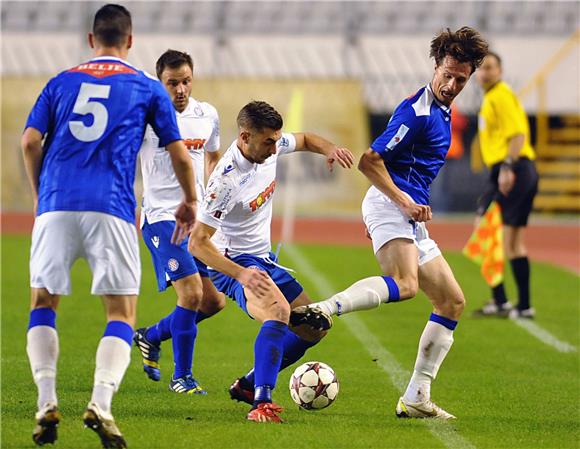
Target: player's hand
x=506 y=180
x=184 y=221
x=257 y=281
x=417 y=212
x=341 y=155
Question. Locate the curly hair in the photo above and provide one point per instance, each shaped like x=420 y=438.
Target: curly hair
x=463 y=45
x=258 y=115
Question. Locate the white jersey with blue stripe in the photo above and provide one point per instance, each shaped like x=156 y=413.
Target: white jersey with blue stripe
x=415 y=143
x=94 y=117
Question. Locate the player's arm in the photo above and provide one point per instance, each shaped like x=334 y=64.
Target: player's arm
x=185 y=213
x=319 y=145
x=32 y=152
x=371 y=164
x=211 y=158
x=201 y=246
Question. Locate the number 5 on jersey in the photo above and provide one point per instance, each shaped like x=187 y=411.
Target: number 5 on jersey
x=84 y=106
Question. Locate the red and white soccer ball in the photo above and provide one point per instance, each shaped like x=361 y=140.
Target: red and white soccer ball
x=314 y=386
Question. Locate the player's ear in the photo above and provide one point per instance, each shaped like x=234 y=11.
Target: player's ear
x=91 y=39
x=129 y=41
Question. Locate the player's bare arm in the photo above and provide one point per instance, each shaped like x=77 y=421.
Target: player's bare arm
x=507 y=177
x=319 y=145
x=185 y=213
x=31 y=144
x=372 y=166
x=200 y=246
x=211 y=160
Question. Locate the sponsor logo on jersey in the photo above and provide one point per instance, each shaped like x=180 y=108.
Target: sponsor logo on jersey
x=284 y=142
x=173 y=264
x=194 y=144
x=263 y=197
x=103 y=69
x=228 y=169
x=155 y=241
x=198 y=111
x=401 y=132
x=217 y=214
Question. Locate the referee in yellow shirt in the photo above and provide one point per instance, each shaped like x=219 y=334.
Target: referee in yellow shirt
x=504 y=138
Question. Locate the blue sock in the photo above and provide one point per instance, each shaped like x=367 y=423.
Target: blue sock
x=121 y=330
x=394 y=294
x=44 y=316
x=161 y=331
x=183 y=332
x=446 y=322
x=201 y=316
x=268 y=350
x=294 y=349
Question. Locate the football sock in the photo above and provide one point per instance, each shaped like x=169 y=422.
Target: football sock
x=365 y=294
x=113 y=357
x=183 y=331
x=161 y=331
x=434 y=345
x=200 y=317
x=294 y=348
x=268 y=350
x=42 y=349
x=498 y=294
x=521 y=270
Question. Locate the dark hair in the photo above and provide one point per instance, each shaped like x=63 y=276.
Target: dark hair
x=112 y=25
x=463 y=45
x=258 y=115
x=172 y=59
x=496 y=56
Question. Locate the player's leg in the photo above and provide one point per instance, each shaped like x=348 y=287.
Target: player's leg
x=213 y=301
x=437 y=281
x=55 y=247
x=112 y=251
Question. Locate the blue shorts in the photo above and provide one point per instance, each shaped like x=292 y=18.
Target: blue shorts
x=287 y=284
x=171 y=262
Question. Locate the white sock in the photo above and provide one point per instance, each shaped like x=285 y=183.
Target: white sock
x=434 y=345
x=42 y=349
x=365 y=294
x=113 y=357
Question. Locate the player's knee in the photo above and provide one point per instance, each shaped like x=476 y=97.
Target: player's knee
x=191 y=297
x=454 y=306
x=408 y=287
x=213 y=303
x=278 y=310
x=41 y=298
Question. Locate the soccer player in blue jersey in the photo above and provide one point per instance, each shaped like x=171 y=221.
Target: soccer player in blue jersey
x=401 y=164
x=197 y=297
x=80 y=146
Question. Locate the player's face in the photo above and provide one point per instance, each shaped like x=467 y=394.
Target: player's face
x=449 y=79
x=178 y=83
x=260 y=145
x=489 y=73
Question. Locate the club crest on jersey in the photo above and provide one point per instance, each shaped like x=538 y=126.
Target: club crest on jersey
x=263 y=197
x=155 y=241
x=284 y=142
x=173 y=264
x=194 y=144
x=228 y=169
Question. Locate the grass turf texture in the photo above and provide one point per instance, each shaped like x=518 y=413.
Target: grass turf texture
x=508 y=389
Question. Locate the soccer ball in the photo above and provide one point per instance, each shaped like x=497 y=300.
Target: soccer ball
x=313 y=386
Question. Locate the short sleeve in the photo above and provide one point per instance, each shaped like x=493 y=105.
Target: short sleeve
x=510 y=114
x=213 y=143
x=403 y=129
x=161 y=116
x=286 y=144
x=40 y=117
x=218 y=201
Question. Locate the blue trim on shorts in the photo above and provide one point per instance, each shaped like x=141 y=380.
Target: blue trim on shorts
x=446 y=322
x=43 y=316
x=170 y=261
x=287 y=284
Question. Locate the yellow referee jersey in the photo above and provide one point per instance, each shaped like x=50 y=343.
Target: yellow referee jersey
x=501 y=117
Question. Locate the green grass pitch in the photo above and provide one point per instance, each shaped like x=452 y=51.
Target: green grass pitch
x=508 y=389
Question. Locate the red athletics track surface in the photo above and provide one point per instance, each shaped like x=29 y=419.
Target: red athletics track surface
x=553 y=243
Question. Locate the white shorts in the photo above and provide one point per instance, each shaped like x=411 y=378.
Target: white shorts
x=385 y=222
x=108 y=243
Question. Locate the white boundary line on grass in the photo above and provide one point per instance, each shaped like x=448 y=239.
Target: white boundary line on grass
x=544 y=336
x=398 y=375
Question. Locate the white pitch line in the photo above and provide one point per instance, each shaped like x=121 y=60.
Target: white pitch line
x=544 y=336
x=388 y=363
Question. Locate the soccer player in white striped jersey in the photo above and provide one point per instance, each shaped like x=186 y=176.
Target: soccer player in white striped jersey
x=237 y=213
x=197 y=298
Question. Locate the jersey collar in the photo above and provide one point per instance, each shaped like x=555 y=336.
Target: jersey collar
x=113 y=58
x=244 y=164
x=445 y=109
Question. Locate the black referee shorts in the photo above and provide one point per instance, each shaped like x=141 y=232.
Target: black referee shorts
x=517 y=206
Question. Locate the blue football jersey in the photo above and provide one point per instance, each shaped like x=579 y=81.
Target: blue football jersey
x=415 y=143
x=93 y=117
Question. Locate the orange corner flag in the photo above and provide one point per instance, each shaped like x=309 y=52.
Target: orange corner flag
x=485 y=246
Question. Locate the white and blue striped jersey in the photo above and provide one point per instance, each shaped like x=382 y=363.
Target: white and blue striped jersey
x=93 y=117
x=415 y=143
